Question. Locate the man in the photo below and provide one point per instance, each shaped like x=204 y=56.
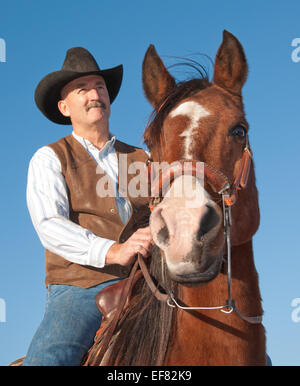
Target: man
x=90 y=239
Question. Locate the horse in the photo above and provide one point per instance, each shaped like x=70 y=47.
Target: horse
x=209 y=310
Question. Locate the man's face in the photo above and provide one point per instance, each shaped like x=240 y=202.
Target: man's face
x=86 y=101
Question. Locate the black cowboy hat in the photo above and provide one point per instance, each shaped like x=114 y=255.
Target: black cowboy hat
x=78 y=62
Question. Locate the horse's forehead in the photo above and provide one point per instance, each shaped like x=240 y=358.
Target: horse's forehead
x=210 y=101
x=210 y=110
x=192 y=109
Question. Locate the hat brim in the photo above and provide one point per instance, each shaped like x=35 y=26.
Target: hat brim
x=48 y=91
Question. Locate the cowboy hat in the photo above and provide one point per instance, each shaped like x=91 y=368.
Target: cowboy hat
x=78 y=62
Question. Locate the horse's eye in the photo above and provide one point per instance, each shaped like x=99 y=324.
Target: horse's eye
x=238 y=132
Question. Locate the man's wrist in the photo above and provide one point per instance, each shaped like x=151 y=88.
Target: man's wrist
x=111 y=254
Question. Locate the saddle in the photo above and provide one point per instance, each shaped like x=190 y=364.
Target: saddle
x=108 y=299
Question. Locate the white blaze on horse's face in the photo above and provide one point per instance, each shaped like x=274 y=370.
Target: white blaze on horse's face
x=194 y=111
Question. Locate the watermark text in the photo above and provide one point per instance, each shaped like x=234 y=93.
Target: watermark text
x=296 y=311
x=2 y=50
x=296 y=52
x=2 y=311
x=157 y=180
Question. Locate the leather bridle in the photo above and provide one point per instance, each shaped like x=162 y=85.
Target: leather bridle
x=228 y=192
x=216 y=179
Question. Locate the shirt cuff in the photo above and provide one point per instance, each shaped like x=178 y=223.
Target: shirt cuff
x=98 y=250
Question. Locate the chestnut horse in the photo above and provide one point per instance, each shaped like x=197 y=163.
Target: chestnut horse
x=202 y=260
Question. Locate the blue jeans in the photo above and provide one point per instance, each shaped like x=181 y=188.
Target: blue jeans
x=68 y=328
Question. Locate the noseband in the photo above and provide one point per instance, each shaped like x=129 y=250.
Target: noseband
x=215 y=178
x=228 y=192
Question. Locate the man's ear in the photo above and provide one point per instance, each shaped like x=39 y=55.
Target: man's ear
x=63 y=108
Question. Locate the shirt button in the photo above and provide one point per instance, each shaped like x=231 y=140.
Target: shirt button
x=112 y=210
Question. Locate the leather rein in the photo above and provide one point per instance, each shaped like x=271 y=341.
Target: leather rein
x=229 y=192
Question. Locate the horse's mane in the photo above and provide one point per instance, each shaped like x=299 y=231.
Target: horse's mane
x=145 y=328
x=182 y=90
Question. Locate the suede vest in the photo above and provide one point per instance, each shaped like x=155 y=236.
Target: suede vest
x=94 y=212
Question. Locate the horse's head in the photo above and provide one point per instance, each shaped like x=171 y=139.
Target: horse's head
x=204 y=121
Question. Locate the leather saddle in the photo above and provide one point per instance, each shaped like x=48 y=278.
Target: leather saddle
x=108 y=299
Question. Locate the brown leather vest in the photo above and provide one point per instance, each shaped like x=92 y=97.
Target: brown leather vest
x=97 y=214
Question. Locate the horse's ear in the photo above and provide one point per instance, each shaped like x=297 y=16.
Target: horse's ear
x=157 y=81
x=231 y=67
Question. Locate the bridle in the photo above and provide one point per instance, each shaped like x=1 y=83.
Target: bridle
x=216 y=179
x=229 y=195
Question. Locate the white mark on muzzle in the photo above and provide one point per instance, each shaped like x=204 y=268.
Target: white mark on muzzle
x=188 y=192
x=195 y=112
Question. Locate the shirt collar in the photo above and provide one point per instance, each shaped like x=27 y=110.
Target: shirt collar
x=89 y=146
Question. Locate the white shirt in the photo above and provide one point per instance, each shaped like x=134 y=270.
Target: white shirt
x=48 y=205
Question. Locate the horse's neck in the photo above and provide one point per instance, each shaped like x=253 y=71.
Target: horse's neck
x=214 y=337
x=245 y=287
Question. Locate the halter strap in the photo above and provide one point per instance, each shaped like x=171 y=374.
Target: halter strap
x=215 y=178
x=241 y=179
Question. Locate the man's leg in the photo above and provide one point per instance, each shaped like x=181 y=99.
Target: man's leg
x=69 y=326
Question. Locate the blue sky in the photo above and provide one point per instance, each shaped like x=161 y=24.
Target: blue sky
x=37 y=35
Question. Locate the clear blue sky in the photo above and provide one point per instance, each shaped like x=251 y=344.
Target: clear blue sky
x=37 y=35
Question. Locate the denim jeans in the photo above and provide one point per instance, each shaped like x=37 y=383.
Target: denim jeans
x=68 y=328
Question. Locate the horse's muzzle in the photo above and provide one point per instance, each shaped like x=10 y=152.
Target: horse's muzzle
x=190 y=236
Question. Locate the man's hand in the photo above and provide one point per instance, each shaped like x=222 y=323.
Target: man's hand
x=123 y=254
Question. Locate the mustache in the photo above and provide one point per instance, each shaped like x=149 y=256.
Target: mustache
x=95 y=104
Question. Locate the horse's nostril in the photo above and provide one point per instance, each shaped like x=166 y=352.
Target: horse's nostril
x=159 y=228
x=163 y=235
x=209 y=220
